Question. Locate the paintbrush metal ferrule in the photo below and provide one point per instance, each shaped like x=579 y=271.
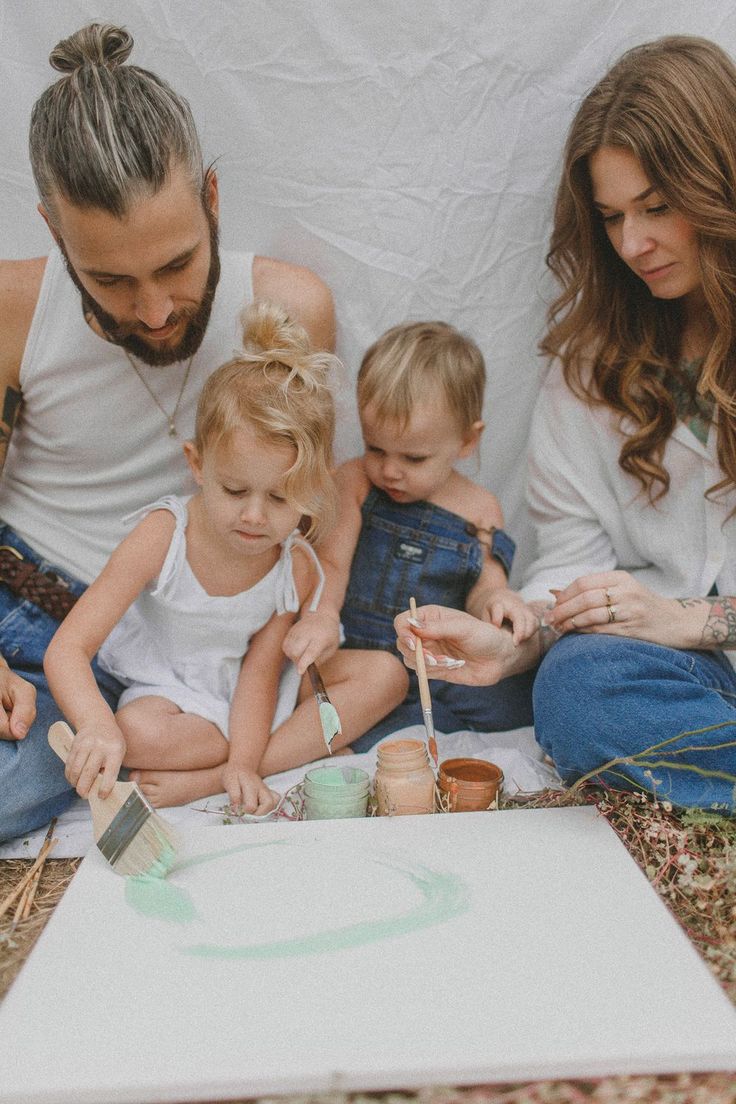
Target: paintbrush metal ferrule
x=124 y=827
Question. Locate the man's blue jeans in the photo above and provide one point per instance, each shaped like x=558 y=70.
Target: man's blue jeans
x=32 y=784
x=600 y=697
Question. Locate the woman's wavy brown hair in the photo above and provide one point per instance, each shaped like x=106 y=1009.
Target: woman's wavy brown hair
x=672 y=103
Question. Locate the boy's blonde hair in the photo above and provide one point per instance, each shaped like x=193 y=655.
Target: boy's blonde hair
x=279 y=387
x=416 y=361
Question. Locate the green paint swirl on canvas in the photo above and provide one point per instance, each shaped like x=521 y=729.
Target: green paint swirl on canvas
x=442 y=897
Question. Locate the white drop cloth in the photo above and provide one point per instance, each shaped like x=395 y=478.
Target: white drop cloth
x=516 y=753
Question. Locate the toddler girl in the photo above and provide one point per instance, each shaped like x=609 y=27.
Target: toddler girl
x=411 y=525
x=192 y=609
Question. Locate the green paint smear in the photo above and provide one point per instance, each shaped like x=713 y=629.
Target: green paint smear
x=443 y=897
x=155 y=897
x=151 y=895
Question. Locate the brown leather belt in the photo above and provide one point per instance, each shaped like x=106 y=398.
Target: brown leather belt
x=44 y=589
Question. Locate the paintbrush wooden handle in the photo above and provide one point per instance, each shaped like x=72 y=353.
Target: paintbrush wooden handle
x=421 y=666
x=61 y=739
x=103 y=810
x=318 y=685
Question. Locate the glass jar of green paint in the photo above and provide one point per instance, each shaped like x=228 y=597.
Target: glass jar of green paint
x=404 y=779
x=331 y=793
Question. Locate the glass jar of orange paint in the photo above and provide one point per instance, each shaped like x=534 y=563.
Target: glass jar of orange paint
x=404 y=781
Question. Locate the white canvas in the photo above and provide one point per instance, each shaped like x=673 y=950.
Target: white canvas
x=364 y=954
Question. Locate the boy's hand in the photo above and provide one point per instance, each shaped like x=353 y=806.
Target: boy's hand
x=97 y=747
x=506 y=605
x=314 y=638
x=247 y=790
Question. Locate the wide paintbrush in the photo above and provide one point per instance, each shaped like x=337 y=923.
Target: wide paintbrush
x=131 y=835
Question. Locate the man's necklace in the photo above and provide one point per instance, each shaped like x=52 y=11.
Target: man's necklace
x=170 y=418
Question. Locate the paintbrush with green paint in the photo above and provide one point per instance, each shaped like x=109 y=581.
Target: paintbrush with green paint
x=129 y=832
x=329 y=719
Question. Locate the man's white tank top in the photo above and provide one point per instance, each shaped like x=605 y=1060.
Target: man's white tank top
x=90 y=445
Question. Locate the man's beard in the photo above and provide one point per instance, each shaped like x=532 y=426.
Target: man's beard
x=198 y=317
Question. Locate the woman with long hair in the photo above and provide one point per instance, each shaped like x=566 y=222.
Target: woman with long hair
x=632 y=477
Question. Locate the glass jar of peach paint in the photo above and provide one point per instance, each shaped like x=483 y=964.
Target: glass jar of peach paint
x=404 y=779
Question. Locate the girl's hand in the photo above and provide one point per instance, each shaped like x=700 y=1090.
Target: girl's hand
x=247 y=790
x=460 y=648
x=506 y=605
x=314 y=638
x=614 y=602
x=97 y=747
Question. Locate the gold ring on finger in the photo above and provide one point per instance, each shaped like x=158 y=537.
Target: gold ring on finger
x=611 y=614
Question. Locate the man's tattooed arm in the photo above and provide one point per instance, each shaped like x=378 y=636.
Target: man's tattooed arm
x=719 y=630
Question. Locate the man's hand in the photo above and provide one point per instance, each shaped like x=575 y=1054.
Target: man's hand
x=314 y=638
x=17 y=704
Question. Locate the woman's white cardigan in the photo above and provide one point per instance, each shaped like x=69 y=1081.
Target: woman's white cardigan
x=590 y=516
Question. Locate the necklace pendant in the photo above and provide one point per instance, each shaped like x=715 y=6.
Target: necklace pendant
x=172 y=428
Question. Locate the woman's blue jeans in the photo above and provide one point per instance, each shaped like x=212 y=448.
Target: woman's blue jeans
x=599 y=697
x=33 y=788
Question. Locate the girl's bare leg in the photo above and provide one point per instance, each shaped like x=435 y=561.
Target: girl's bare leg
x=363 y=686
x=178 y=757
x=159 y=736
x=164 y=788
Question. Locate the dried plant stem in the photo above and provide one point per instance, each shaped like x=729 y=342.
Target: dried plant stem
x=641 y=759
x=23 y=909
x=15 y=893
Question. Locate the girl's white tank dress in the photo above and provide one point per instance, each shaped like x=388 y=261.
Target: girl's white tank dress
x=181 y=643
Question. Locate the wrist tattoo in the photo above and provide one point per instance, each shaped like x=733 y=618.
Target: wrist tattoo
x=719 y=630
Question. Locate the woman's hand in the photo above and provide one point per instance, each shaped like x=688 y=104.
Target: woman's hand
x=460 y=648
x=614 y=602
x=97 y=747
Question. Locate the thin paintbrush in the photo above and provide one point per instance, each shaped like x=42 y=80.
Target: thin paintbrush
x=424 y=690
x=131 y=835
x=329 y=719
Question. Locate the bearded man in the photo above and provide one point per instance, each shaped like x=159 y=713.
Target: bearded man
x=104 y=345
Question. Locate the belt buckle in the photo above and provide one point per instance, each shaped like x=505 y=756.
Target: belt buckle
x=9 y=548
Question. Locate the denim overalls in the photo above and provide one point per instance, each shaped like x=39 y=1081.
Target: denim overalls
x=420 y=550
x=405 y=550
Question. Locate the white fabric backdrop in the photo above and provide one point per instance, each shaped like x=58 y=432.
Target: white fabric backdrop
x=405 y=149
